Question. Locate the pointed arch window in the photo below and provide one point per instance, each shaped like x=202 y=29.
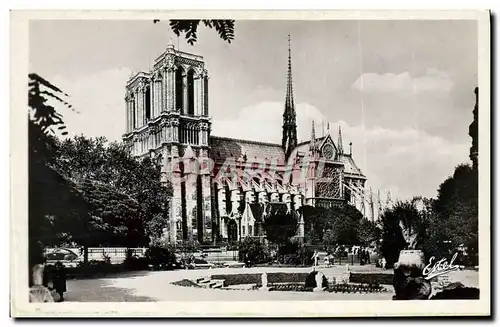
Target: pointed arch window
x=190 y=92
x=179 y=96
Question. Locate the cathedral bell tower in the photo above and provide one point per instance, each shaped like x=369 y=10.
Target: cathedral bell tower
x=289 y=140
x=167 y=118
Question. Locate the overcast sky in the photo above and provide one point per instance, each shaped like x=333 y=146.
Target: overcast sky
x=401 y=90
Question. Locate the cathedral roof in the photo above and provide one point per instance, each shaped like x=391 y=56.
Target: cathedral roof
x=350 y=166
x=222 y=148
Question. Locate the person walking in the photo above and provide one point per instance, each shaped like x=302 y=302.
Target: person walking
x=315 y=258
x=59 y=280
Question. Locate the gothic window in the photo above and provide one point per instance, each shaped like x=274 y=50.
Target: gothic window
x=148 y=104
x=190 y=91
x=250 y=231
x=179 y=96
x=205 y=95
x=328 y=151
x=328 y=185
x=132 y=99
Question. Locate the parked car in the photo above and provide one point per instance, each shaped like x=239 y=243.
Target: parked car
x=67 y=257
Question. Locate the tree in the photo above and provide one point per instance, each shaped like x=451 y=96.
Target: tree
x=55 y=206
x=344 y=222
x=126 y=197
x=331 y=226
x=403 y=228
x=280 y=227
x=368 y=232
x=225 y=28
x=455 y=219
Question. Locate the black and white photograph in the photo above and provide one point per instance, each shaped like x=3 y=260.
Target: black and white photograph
x=306 y=162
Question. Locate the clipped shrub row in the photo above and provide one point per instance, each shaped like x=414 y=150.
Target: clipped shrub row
x=364 y=278
x=280 y=277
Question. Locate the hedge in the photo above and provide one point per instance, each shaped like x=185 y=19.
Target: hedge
x=239 y=279
x=371 y=279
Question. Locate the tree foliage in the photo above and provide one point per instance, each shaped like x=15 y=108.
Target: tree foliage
x=393 y=239
x=280 y=227
x=332 y=226
x=55 y=206
x=225 y=28
x=368 y=232
x=454 y=222
x=127 y=200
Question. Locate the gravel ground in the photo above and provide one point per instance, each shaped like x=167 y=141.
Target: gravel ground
x=156 y=286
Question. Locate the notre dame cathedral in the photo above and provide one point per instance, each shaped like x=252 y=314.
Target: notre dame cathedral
x=223 y=188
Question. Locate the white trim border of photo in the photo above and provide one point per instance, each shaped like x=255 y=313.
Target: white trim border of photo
x=20 y=305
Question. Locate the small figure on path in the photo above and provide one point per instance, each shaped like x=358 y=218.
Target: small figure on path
x=59 y=280
x=315 y=258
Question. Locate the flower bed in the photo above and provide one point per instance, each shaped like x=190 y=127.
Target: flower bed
x=355 y=288
x=186 y=283
x=336 y=288
x=374 y=279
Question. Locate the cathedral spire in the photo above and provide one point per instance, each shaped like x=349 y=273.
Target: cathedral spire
x=340 y=144
x=312 y=144
x=289 y=140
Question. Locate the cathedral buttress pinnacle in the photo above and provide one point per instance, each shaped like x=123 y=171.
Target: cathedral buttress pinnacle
x=340 y=143
x=289 y=140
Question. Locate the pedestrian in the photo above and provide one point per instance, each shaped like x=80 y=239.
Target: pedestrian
x=315 y=258
x=59 y=280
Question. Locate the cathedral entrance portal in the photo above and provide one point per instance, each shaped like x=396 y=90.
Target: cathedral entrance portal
x=232 y=231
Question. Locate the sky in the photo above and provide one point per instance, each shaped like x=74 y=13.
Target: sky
x=402 y=91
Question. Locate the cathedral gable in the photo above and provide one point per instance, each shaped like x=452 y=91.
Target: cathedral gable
x=327 y=148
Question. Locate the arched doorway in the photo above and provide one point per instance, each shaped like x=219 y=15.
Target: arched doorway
x=232 y=231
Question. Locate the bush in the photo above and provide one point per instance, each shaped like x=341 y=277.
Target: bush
x=240 y=279
x=134 y=263
x=254 y=251
x=292 y=253
x=93 y=268
x=160 y=257
x=371 y=279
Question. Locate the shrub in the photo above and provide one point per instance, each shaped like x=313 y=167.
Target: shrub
x=160 y=257
x=93 y=268
x=374 y=279
x=134 y=263
x=254 y=251
x=239 y=279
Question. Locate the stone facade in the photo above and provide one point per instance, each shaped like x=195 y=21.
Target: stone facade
x=223 y=188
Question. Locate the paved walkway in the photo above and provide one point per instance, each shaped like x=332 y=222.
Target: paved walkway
x=156 y=286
